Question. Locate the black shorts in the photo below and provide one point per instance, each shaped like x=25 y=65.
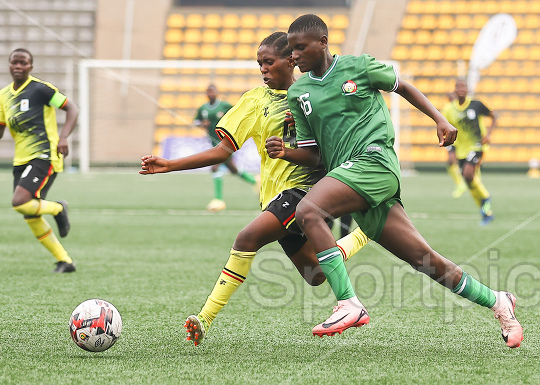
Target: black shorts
x=473 y=157
x=283 y=206
x=37 y=176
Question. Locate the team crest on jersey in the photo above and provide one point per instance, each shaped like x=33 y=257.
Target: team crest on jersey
x=349 y=87
x=25 y=105
x=471 y=114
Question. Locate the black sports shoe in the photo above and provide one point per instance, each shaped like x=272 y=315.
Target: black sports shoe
x=62 y=220
x=64 y=267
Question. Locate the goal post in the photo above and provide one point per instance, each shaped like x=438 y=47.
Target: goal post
x=129 y=94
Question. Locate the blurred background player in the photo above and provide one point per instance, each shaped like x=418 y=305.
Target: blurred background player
x=27 y=107
x=472 y=142
x=259 y=114
x=208 y=115
x=453 y=166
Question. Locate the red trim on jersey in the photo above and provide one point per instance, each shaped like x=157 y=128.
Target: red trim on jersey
x=343 y=252
x=224 y=134
x=232 y=276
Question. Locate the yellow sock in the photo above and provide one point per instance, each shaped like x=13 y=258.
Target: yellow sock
x=455 y=173
x=233 y=274
x=36 y=207
x=478 y=190
x=352 y=243
x=44 y=233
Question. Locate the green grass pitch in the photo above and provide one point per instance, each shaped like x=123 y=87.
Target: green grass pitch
x=147 y=245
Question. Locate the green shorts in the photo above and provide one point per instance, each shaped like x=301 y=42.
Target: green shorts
x=374 y=182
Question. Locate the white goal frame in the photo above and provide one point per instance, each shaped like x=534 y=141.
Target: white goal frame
x=86 y=65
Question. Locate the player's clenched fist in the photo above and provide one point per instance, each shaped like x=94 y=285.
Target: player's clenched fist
x=151 y=164
x=275 y=147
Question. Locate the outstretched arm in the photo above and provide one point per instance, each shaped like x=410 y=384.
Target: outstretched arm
x=305 y=156
x=446 y=133
x=72 y=114
x=152 y=164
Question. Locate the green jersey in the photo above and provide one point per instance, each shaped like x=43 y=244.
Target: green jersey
x=212 y=112
x=344 y=113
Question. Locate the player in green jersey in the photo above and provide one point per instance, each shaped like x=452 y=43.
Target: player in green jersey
x=27 y=107
x=259 y=114
x=340 y=112
x=473 y=141
x=208 y=115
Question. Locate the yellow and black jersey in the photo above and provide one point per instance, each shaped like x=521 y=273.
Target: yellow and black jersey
x=260 y=114
x=29 y=112
x=468 y=119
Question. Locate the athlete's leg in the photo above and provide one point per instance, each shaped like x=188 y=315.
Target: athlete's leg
x=331 y=198
x=217 y=203
x=455 y=172
x=471 y=173
x=402 y=239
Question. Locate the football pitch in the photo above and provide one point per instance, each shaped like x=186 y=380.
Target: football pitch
x=146 y=244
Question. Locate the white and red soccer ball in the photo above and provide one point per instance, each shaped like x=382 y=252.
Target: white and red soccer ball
x=95 y=325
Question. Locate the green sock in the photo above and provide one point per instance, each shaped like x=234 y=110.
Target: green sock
x=218 y=187
x=331 y=262
x=474 y=291
x=247 y=177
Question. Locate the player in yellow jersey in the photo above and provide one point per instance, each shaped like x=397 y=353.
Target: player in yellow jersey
x=473 y=140
x=259 y=114
x=453 y=165
x=27 y=107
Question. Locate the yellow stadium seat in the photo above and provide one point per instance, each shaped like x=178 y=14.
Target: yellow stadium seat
x=526 y=36
x=464 y=21
x=400 y=53
x=340 y=21
x=176 y=21
x=452 y=52
x=441 y=37
x=192 y=36
x=247 y=36
x=411 y=22
x=174 y=36
x=211 y=36
x=268 y=21
x=405 y=36
x=423 y=37
x=338 y=37
x=212 y=21
x=231 y=20
x=172 y=51
x=457 y=37
x=245 y=51
x=226 y=51
x=415 y=7
x=208 y=51
x=532 y=21
x=191 y=51
x=479 y=21
x=446 y=22
x=195 y=20
x=428 y=22
x=164 y=119
x=229 y=36
x=447 y=7
x=249 y=21
x=417 y=52
x=167 y=100
x=284 y=21
x=435 y=52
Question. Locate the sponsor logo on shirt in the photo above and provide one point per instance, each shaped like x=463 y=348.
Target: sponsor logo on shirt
x=25 y=105
x=471 y=114
x=349 y=87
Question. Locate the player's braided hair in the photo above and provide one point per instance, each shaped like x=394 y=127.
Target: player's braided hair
x=25 y=51
x=278 y=40
x=307 y=23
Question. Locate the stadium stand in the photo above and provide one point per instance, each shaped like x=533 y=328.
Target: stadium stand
x=200 y=34
x=435 y=36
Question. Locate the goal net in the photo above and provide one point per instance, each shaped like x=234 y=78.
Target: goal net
x=130 y=108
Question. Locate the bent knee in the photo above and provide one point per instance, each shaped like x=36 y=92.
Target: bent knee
x=246 y=240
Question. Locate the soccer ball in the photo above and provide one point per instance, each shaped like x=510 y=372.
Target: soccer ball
x=95 y=325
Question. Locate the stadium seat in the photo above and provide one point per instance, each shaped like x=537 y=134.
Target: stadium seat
x=211 y=36
x=229 y=36
x=249 y=21
x=428 y=22
x=191 y=51
x=212 y=20
x=226 y=51
x=405 y=36
x=195 y=20
x=423 y=37
x=231 y=20
x=174 y=36
x=268 y=21
x=192 y=35
x=247 y=36
x=340 y=21
x=172 y=51
x=284 y=21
